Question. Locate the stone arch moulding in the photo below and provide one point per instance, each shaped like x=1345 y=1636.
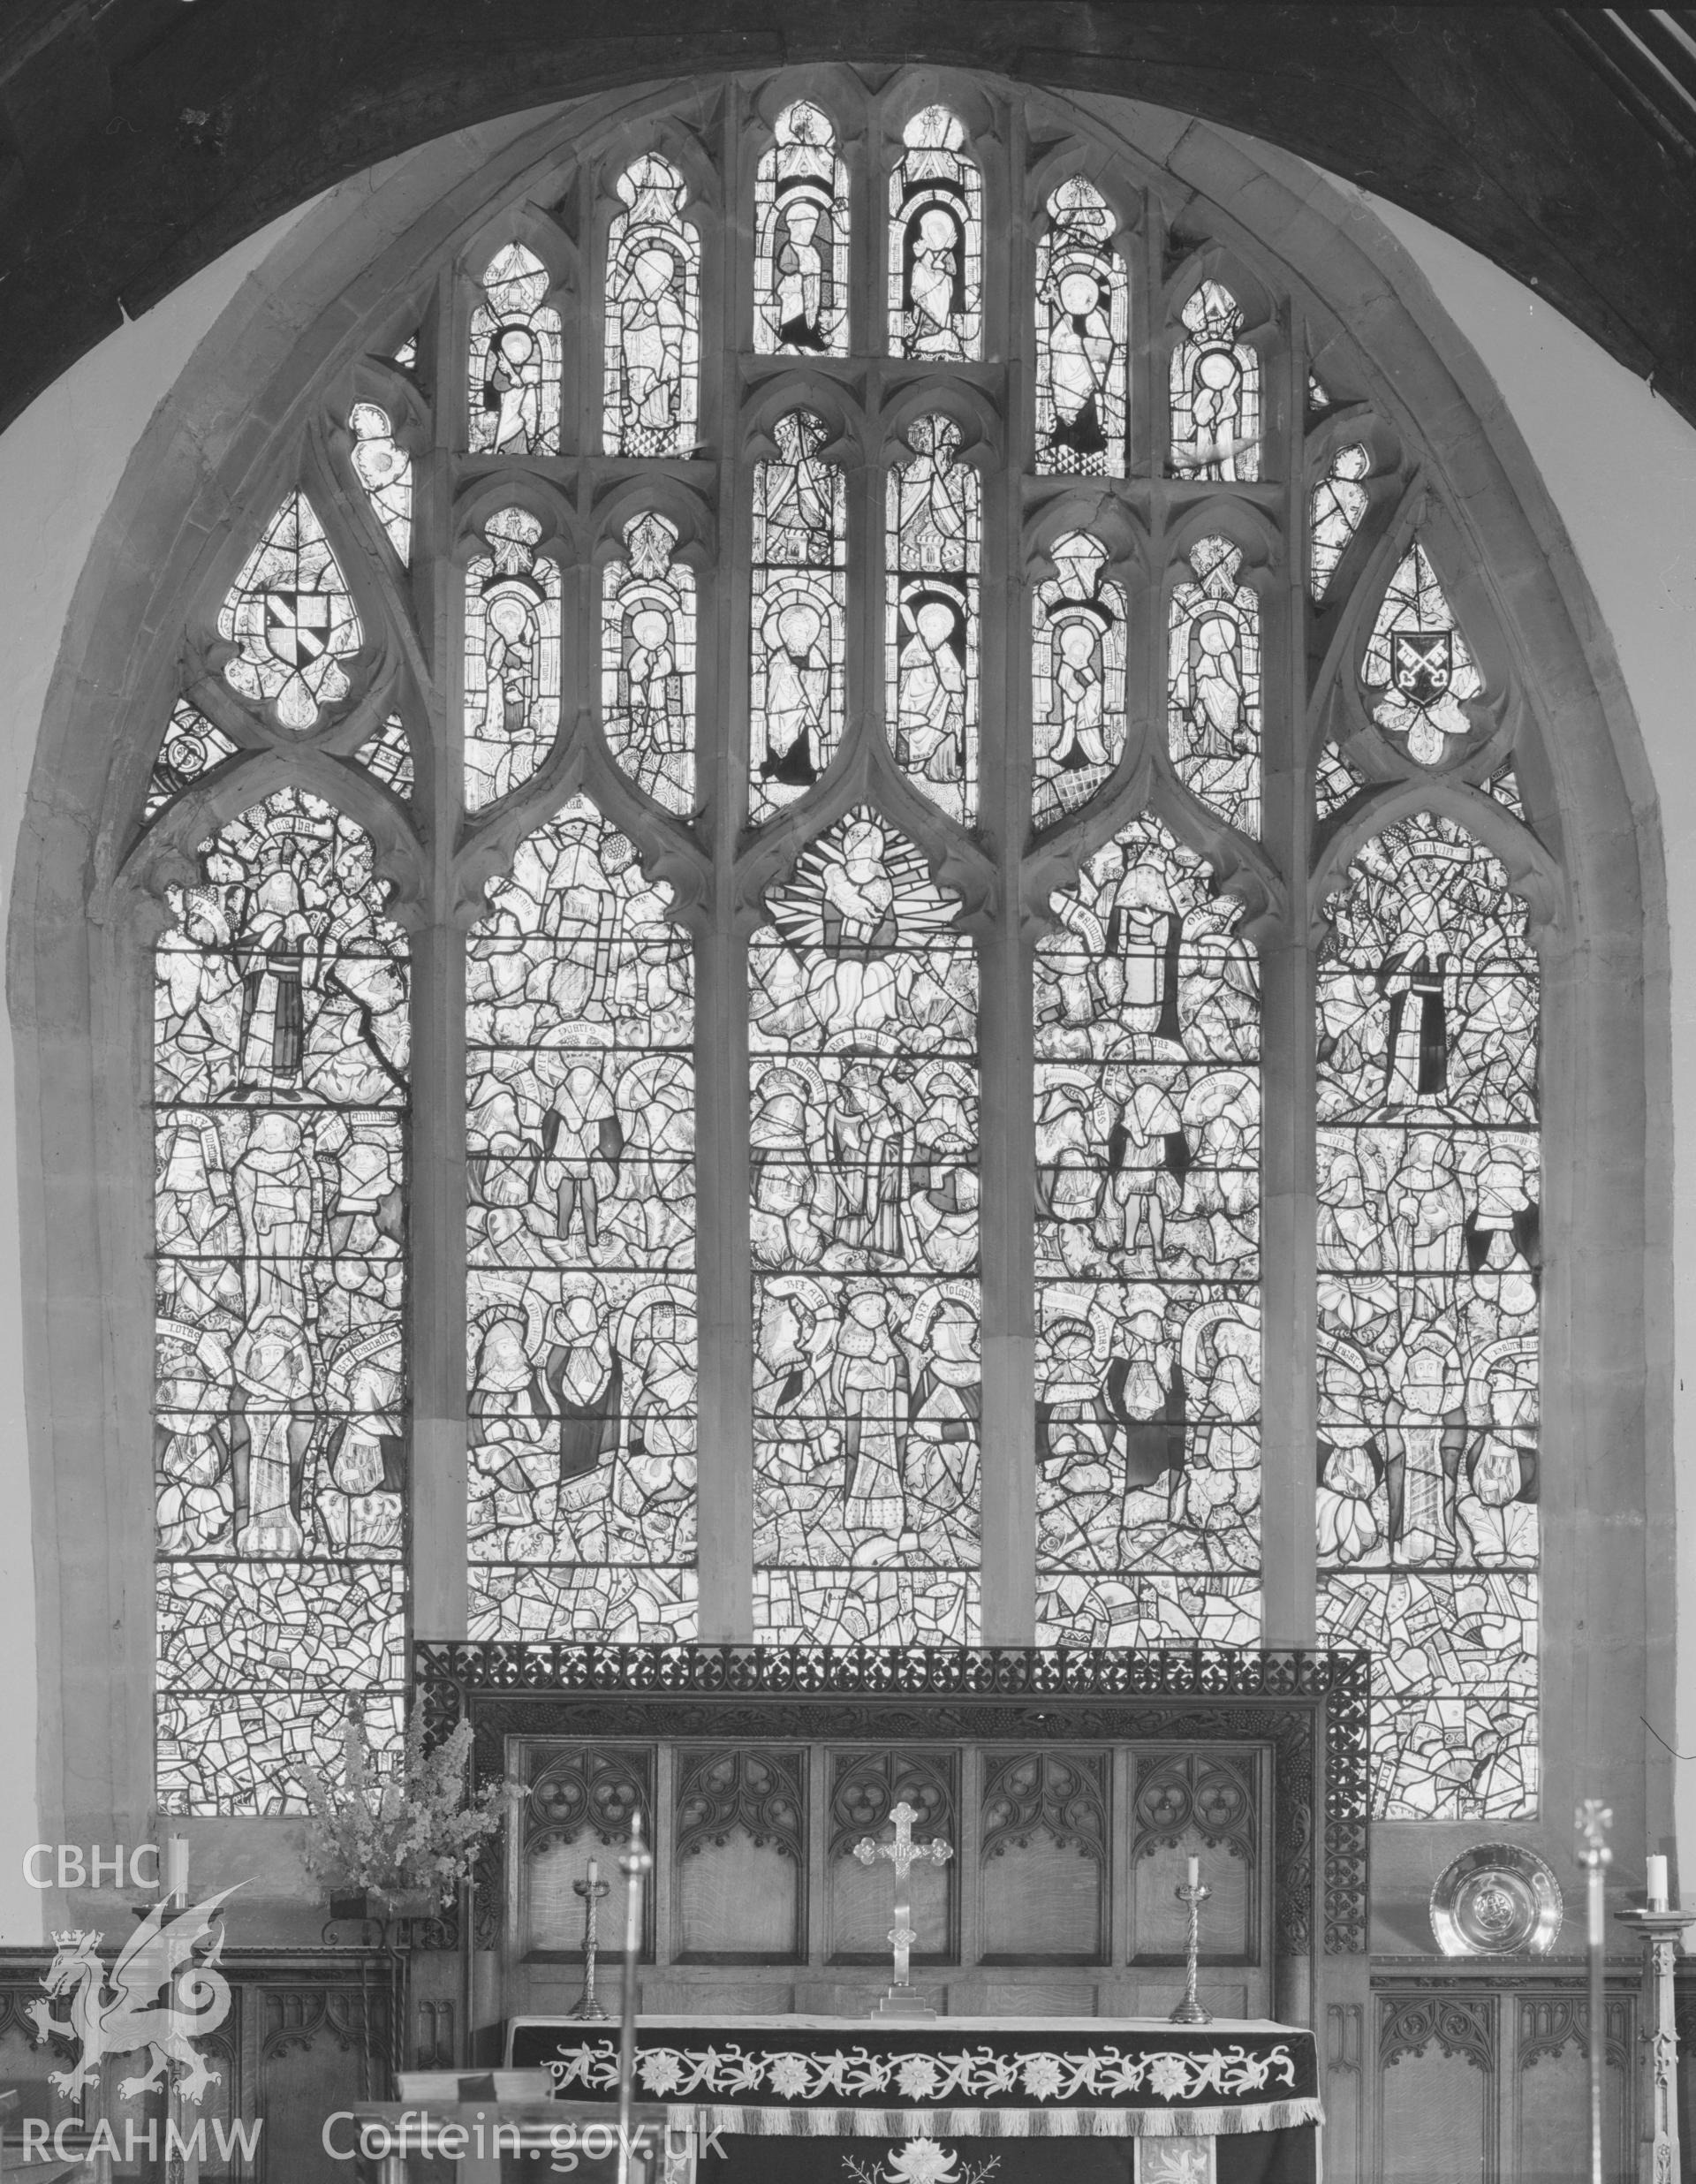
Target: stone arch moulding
x=77 y=991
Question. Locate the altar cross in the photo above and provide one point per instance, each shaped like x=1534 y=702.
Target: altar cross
x=902 y=1854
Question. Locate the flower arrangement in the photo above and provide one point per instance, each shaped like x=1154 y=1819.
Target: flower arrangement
x=414 y=1833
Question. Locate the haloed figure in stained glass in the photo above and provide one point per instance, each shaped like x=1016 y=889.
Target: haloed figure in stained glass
x=653 y=315
x=1082 y=314
x=935 y=242
x=801 y=250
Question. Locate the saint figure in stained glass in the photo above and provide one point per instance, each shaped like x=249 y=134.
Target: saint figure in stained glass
x=1083 y=309
x=935 y=242
x=1417 y=674
x=1334 y=515
x=1213 y=685
x=191 y=747
x=932 y=633
x=291 y=619
x=511 y=672
x=653 y=315
x=797 y=693
x=801 y=278
x=1215 y=390
x=647 y=664
x=1078 y=678
x=514 y=360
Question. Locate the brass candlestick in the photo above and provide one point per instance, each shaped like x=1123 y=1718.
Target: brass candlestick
x=587 y=2005
x=1189 y=2011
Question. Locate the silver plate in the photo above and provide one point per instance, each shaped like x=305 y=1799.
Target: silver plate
x=1496 y=1900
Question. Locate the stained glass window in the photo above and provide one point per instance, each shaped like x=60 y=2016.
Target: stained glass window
x=1215 y=383
x=1077 y=678
x=796 y=670
x=1429 y=1196
x=191 y=747
x=1213 y=696
x=581 y=1239
x=800 y=214
x=406 y=355
x=291 y=619
x=1339 y=502
x=653 y=315
x=647 y=664
x=866 y=1391
x=384 y=469
x=1148 y=1257
x=1417 y=673
x=932 y=637
x=514 y=360
x=387 y=755
x=1336 y=781
x=511 y=677
x=280 y=1428
x=1083 y=317
x=935 y=242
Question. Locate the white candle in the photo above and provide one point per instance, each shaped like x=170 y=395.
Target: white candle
x=1656 y=1884
x=177 y=1869
x=1195 y=1873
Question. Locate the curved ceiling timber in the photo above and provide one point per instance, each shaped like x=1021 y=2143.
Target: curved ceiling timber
x=140 y=139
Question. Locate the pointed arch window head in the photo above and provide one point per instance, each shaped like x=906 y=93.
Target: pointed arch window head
x=192 y=747
x=514 y=360
x=1083 y=320
x=932 y=635
x=647 y=664
x=868 y=1383
x=385 y=470
x=801 y=229
x=1148 y=1257
x=1213 y=685
x=581 y=1094
x=1216 y=391
x=281 y=1013
x=291 y=620
x=935 y=244
x=511 y=672
x=1335 y=513
x=653 y=315
x=1417 y=674
x=1077 y=678
x=797 y=692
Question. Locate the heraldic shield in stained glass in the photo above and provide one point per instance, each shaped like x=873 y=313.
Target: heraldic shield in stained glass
x=1337 y=507
x=797 y=686
x=512 y=675
x=801 y=216
x=1428 y=1177
x=1078 y=650
x=385 y=470
x=281 y=1420
x=935 y=244
x=1083 y=317
x=647 y=664
x=1216 y=391
x=291 y=619
x=1147 y=1257
x=1214 y=685
x=653 y=315
x=1417 y=674
x=581 y=1244
x=514 y=360
x=932 y=636
x=866 y=1392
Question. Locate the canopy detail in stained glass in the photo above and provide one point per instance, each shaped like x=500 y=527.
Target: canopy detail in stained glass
x=1430 y=1253
x=291 y=618
x=868 y=1394
x=1148 y=1257
x=653 y=315
x=511 y=676
x=1417 y=673
x=932 y=637
x=1083 y=319
x=935 y=242
x=388 y=757
x=1216 y=391
x=647 y=664
x=797 y=666
x=192 y=747
x=1213 y=699
x=514 y=360
x=1338 y=504
x=1334 y=782
x=580 y=1243
x=800 y=218
x=1077 y=659
x=280 y=1062
x=385 y=470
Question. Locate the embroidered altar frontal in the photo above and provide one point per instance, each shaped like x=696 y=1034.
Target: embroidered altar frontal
x=952 y=2077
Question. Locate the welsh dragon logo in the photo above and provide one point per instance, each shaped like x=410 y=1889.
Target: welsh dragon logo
x=159 y=1994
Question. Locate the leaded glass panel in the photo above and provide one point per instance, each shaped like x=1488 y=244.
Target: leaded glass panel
x=866 y=1390
x=1216 y=391
x=581 y=1245
x=647 y=664
x=1334 y=515
x=1078 y=661
x=653 y=315
x=291 y=620
x=514 y=362
x=388 y=757
x=511 y=674
x=801 y=216
x=935 y=242
x=1083 y=319
x=1417 y=674
x=1213 y=696
x=384 y=469
x=797 y=670
x=931 y=645
x=191 y=747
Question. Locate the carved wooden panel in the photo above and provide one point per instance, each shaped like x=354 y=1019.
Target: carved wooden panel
x=863 y=1787
x=1551 y=2104
x=1042 y=1867
x=1438 y=2087
x=1347 y=2095
x=1206 y=1806
x=578 y=1803
x=740 y=1856
x=320 y=2050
